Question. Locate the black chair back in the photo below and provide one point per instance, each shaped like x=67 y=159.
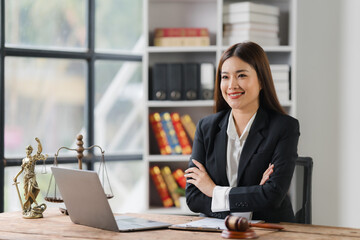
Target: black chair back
x=304 y=214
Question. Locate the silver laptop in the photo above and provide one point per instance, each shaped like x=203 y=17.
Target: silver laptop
x=86 y=203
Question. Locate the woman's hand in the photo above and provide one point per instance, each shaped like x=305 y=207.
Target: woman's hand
x=199 y=177
x=267 y=174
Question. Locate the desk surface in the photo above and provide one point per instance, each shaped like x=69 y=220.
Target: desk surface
x=54 y=225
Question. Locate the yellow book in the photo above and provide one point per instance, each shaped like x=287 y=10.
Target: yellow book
x=171 y=184
x=189 y=125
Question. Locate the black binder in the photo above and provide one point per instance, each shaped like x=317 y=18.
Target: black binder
x=159 y=83
x=191 y=81
x=174 y=80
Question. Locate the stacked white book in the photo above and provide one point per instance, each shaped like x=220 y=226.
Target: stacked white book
x=281 y=77
x=247 y=21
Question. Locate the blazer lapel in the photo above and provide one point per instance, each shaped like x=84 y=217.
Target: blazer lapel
x=253 y=141
x=220 y=150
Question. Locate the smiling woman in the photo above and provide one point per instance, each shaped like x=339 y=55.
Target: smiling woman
x=245 y=153
x=240 y=86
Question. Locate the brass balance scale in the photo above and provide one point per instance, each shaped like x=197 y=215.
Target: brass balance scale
x=102 y=172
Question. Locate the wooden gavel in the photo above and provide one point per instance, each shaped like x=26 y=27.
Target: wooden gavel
x=241 y=224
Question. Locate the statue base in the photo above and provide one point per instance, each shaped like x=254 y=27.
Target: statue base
x=35 y=212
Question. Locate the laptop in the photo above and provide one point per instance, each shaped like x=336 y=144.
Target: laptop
x=86 y=203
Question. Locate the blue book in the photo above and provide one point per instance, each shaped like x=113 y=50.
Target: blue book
x=170 y=133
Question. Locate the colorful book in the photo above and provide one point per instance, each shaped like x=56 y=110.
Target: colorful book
x=161 y=186
x=181 y=134
x=181 y=32
x=171 y=184
x=170 y=133
x=181 y=41
x=180 y=178
x=160 y=134
x=181 y=37
x=189 y=125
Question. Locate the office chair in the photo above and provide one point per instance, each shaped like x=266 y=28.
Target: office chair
x=304 y=214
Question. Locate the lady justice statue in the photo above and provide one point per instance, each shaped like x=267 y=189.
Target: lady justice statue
x=30 y=184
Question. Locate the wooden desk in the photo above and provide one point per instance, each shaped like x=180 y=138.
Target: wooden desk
x=55 y=226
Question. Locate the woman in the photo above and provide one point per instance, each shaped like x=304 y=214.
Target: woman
x=244 y=155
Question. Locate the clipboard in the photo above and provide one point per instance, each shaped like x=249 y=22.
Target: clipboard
x=205 y=225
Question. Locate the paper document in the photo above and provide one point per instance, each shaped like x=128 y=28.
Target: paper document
x=205 y=224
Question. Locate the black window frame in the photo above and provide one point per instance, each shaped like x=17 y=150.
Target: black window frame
x=90 y=56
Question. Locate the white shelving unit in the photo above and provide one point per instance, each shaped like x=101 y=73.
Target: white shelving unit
x=200 y=13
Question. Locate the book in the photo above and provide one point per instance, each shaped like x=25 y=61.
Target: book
x=281 y=85
x=280 y=72
x=160 y=135
x=251 y=7
x=159 y=82
x=191 y=81
x=181 y=41
x=250 y=17
x=179 y=177
x=283 y=96
x=181 y=32
x=207 y=80
x=251 y=26
x=170 y=133
x=280 y=76
x=250 y=33
x=171 y=185
x=279 y=68
x=174 y=81
x=181 y=37
x=161 y=186
x=180 y=133
x=189 y=125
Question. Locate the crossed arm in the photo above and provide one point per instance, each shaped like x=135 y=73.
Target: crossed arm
x=200 y=178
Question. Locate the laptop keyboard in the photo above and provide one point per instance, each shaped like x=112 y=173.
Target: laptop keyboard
x=125 y=222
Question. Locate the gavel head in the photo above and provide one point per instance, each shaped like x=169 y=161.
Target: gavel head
x=234 y=223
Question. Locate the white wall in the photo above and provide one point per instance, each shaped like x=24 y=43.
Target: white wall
x=327 y=84
x=349 y=112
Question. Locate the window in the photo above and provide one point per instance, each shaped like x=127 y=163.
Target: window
x=71 y=67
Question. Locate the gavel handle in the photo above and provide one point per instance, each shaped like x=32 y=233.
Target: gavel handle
x=266 y=225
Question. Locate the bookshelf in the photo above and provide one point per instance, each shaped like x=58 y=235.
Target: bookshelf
x=196 y=14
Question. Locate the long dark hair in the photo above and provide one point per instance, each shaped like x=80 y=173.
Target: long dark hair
x=255 y=56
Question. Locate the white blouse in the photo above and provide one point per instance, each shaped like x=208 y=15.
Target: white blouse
x=220 y=199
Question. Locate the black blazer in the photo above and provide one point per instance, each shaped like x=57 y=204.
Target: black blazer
x=273 y=138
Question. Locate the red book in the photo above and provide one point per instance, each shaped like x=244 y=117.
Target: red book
x=161 y=186
x=181 y=134
x=181 y=32
x=180 y=178
x=160 y=134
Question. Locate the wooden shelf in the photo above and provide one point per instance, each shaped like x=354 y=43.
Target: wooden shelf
x=202 y=13
x=167 y=104
x=153 y=49
x=168 y=158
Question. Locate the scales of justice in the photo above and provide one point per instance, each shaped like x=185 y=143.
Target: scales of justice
x=32 y=189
